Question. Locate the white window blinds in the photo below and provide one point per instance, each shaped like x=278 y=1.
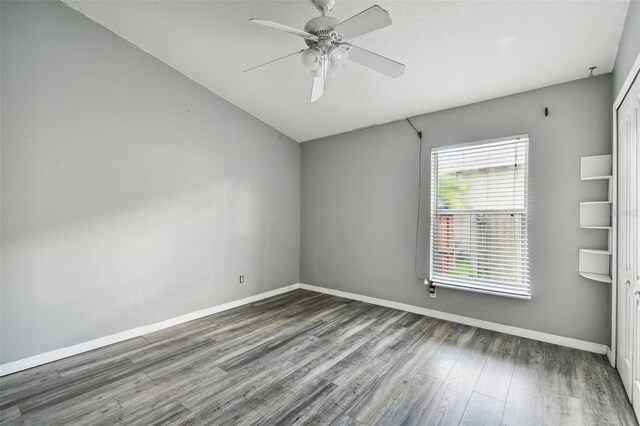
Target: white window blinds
x=479 y=217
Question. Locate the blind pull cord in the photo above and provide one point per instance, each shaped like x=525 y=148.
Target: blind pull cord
x=415 y=264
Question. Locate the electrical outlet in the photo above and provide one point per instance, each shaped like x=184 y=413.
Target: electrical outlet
x=432 y=292
x=241 y=279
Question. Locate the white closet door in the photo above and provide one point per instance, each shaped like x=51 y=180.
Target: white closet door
x=628 y=347
x=633 y=266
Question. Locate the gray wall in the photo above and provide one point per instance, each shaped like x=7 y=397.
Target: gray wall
x=629 y=46
x=129 y=193
x=359 y=207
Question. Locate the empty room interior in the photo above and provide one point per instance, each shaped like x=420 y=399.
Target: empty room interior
x=328 y=212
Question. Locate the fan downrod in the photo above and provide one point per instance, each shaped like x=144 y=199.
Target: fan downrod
x=324 y=6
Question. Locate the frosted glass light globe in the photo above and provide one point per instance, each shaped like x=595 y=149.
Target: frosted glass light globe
x=311 y=58
x=337 y=57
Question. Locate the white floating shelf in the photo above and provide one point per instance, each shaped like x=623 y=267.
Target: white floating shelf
x=597 y=178
x=595 y=264
x=595 y=167
x=593 y=261
x=596 y=251
x=597 y=277
x=595 y=213
x=594 y=227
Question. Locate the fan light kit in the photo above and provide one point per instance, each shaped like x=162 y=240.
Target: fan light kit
x=326 y=38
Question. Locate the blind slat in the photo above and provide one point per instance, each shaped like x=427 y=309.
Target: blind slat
x=479 y=283
x=484 y=266
x=463 y=257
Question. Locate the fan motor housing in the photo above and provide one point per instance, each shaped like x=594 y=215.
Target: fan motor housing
x=321 y=26
x=324 y=6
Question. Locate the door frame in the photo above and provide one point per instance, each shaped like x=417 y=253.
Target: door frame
x=633 y=73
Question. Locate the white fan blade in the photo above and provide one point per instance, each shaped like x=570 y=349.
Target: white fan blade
x=319 y=80
x=364 y=22
x=275 y=60
x=276 y=26
x=376 y=62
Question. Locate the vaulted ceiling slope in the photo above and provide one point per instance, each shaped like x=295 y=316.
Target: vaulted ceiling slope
x=456 y=53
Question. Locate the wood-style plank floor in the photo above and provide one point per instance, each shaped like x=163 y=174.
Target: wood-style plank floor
x=310 y=358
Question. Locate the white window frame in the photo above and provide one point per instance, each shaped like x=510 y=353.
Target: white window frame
x=466 y=283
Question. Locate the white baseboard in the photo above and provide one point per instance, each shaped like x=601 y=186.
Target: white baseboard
x=610 y=356
x=502 y=328
x=44 y=358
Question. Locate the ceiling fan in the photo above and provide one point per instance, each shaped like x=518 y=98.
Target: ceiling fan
x=328 y=48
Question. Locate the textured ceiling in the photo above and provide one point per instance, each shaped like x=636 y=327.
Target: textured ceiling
x=456 y=53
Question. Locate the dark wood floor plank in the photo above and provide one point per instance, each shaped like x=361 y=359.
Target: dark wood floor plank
x=173 y=413
x=481 y=343
x=561 y=409
x=311 y=306
x=398 y=409
x=181 y=357
x=287 y=298
x=348 y=323
x=283 y=348
x=284 y=344
x=257 y=324
x=496 y=375
x=329 y=313
x=290 y=410
x=345 y=420
x=15 y=386
x=236 y=330
x=370 y=405
x=153 y=413
x=597 y=404
x=449 y=404
x=525 y=402
x=347 y=369
x=309 y=376
x=560 y=370
x=235 y=389
x=173 y=385
x=329 y=350
x=193 y=328
x=442 y=361
x=388 y=344
x=85 y=406
x=105 y=378
x=482 y=410
x=319 y=364
x=412 y=334
x=389 y=320
x=379 y=345
x=333 y=405
x=79 y=410
x=82 y=363
x=11 y=416
x=162 y=348
x=621 y=405
x=311 y=358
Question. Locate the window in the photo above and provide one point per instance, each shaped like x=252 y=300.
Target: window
x=479 y=217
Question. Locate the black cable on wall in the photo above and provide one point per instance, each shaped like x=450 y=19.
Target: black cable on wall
x=415 y=268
